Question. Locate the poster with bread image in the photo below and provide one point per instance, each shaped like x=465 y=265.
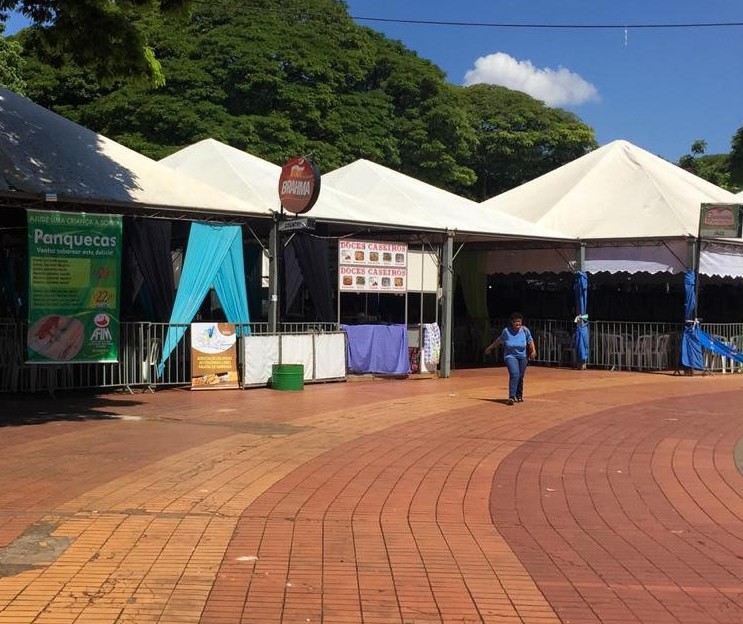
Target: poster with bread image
x=213 y=356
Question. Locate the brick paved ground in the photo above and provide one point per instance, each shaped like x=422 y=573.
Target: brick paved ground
x=605 y=497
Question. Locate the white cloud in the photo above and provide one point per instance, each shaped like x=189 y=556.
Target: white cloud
x=555 y=87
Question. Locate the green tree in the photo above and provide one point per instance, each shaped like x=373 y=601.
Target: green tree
x=735 y=164
x=103 y=36
x=280 y=78
x=714 y=168
x=276 y=78
x=519 y=138
x=11 y=64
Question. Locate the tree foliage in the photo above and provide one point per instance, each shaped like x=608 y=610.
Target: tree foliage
x=735 y=164
x=280 y=78
x=714 y=168
x=104 y=36
x=519 y=138
x=11 y=64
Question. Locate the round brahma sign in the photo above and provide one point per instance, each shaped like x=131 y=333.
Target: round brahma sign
x=299 y=185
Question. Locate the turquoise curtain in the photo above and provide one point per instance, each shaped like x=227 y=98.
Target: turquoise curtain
x=214 y=256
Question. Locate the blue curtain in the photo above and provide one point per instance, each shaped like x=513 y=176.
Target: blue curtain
x=690 y=295
x=214 y=256
x=691 y=347
x=580 y=288
x=229 y=283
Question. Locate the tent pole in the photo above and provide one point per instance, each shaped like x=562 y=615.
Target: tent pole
x=273 y=276
x=447 y=307
x=696 y=250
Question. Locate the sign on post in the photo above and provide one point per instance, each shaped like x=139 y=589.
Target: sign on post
x=720 y=221
x=372 y=266
x=299 y=185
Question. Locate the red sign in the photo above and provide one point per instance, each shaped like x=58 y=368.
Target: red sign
x=299 y=185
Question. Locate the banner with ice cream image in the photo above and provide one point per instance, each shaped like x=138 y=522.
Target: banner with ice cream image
x=74 y=273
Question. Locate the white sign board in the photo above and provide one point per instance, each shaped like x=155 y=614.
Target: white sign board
x=372 y=266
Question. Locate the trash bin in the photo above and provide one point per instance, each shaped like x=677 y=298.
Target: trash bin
x=287 y=377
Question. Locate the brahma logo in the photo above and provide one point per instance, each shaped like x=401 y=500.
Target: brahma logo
x=299 y=185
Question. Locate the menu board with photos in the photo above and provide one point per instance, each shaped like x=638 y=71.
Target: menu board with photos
x=372 y=266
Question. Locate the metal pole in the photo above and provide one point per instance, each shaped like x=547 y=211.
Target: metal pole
x=273 y=276
x=447 y=304
x=696 y=251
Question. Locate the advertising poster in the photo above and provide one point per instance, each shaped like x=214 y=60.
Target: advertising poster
x=369 y=266
x=74 y=264
x=213 y=356
x=720 y=221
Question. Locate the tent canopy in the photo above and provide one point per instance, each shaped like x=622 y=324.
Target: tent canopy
x=43 y=153
x=618 y=191
x=257 y=181
x=361 y=193
x=400 y=198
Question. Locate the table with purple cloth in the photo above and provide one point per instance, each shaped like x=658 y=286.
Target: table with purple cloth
x=378 y=349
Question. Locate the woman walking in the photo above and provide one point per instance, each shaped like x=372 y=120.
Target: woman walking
x=518 y=349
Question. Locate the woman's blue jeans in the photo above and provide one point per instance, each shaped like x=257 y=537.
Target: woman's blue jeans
x=516 y=371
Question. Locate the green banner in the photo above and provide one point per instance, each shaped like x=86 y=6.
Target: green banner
x=74 y=262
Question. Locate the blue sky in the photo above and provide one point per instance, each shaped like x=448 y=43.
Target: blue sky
x=660 y=89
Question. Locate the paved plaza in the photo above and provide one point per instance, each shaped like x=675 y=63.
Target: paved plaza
x=605 y=497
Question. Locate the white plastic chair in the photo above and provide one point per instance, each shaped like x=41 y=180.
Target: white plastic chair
x=612 y=350
x=715 y=361
x=546 y=344
x=660 y=351
x=737 y=342
x=642 y=353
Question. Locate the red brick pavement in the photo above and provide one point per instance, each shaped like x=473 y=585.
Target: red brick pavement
x=605 y=497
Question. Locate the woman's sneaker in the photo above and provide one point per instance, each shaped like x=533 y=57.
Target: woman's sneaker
x=519 y=399
x=510 y=401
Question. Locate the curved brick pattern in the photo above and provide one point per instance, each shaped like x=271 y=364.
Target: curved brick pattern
x=633 y=514
x=371 y=502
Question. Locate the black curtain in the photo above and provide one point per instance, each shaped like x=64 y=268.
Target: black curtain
x=149 y=263
x=292 y=277
x=314 y=261
x=253 y=254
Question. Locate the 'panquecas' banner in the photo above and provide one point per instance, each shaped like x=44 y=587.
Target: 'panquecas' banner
x=74 y=270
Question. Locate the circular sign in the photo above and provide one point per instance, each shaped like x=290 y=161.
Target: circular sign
x=299 y=185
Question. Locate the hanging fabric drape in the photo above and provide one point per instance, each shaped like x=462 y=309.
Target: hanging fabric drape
x=254 y=277
x=691 y=346
x=149 y=241
x=473 y=280
x=580 y=288
x=229 y=283
x=291 y=277
x=214 y=256
x=690 y=295
x=313 y=258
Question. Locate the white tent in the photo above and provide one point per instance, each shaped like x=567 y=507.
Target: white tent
x=257 y=181
x=618 y=191
x=400 y=198
x=739 y=197
x=637 y=212
x=42 y=153
x=361 y=193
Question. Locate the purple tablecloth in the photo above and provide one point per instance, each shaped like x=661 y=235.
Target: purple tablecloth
x=378 y=349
